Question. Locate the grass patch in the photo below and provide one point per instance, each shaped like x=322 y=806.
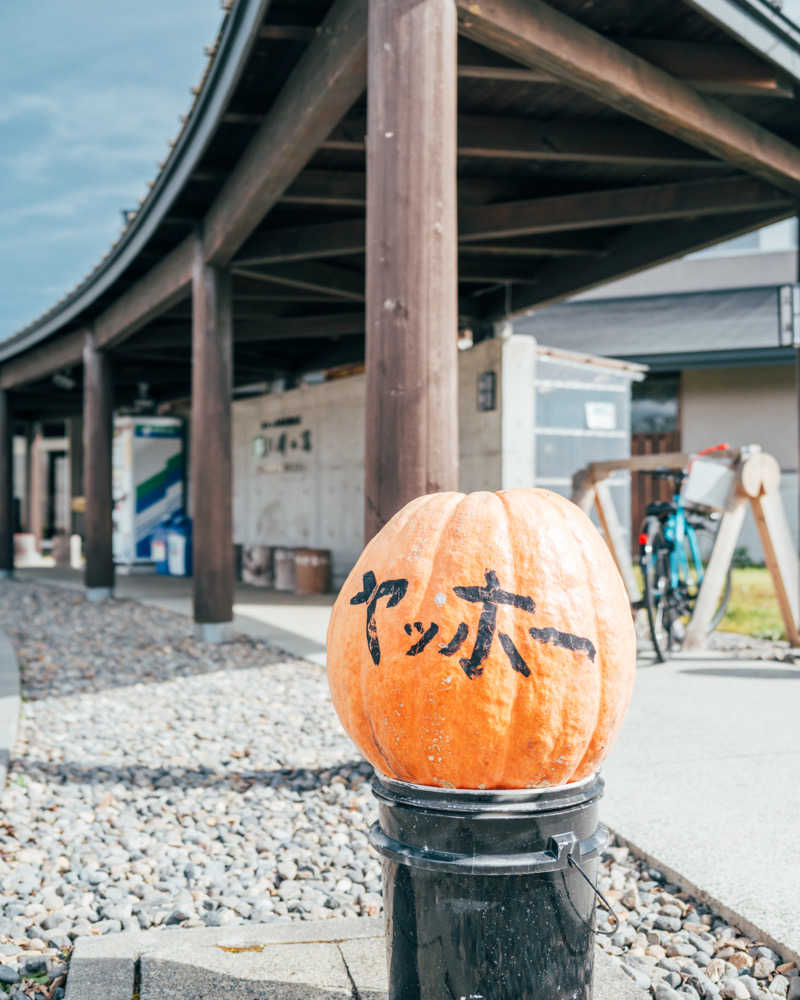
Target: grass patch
x=753 y=607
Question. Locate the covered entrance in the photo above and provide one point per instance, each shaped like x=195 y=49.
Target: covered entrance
x=363 y=181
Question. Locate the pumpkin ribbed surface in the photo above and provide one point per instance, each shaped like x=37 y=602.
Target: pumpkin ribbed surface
x=483 y=641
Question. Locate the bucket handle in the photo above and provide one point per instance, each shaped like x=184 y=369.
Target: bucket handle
x=574 y=863
x=554 y=858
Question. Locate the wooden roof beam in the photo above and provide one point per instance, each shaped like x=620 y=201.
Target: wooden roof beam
x=162 y=287
x=42 y=361
x=574 y=142
x=479 y=271
x=588 y=210
x=537 y=35
x=287 y=32
x=338 y=188
x=312 y=277
x=326 y=239
x=264 y=328
x=623 y=206
x=302 y=328
x=633 y=250
x=583 y=244
x=709 y=67
x=714 y=68
x=348 y=189
x=495 y=138
x=35 y=407
x=329 y=77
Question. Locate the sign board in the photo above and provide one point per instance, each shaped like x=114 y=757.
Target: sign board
x=147 y=482
x=601 y=416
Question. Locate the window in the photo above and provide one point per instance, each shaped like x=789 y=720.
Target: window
x=655 y=404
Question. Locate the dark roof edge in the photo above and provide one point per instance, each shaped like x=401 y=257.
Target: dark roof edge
x=759 y=26
x=238 y=33
x=638 y=300
x=713 y=359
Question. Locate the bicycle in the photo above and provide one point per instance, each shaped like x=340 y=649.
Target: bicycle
x=674 y=543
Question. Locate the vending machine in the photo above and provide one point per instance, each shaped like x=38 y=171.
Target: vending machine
x=148 y=483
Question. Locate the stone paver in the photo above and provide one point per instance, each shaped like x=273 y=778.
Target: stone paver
x=299 y=961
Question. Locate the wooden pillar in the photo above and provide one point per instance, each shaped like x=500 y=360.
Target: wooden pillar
x=6 y=486
x=75 y=459
x=211 y=466
x=412 y=264
x=98 y=433
x=36 y=483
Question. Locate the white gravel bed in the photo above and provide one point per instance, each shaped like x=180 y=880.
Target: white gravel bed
x=167 y=782
x=157 y=781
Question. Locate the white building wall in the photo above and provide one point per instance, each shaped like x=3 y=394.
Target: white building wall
x=756 y=405
x=311 y=492
x=497 y=447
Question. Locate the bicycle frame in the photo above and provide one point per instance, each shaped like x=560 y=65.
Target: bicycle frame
x=677 y=529
x=672 y=565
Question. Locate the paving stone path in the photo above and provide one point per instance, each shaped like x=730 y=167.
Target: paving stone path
x=159 y=782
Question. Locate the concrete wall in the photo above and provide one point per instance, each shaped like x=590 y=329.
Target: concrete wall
x=756 y=405
x=497 y=447
x=311 y=492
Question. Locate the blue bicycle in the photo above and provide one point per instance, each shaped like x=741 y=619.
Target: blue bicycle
x=674 y=544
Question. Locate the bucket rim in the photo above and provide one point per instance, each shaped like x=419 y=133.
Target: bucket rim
x=487 y=801
x=506 y=793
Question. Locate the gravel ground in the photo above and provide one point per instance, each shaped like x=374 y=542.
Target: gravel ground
x=675 y=947
x=157 y=781
x=752 y=648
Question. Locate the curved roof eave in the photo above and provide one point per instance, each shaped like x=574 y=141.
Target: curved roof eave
x=238 y=33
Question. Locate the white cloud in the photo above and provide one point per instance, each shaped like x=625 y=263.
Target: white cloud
x=121 y=127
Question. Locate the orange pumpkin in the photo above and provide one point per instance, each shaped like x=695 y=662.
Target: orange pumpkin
x=483 y=641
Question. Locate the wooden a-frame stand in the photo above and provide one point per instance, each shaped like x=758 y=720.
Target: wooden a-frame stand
x=757 y=480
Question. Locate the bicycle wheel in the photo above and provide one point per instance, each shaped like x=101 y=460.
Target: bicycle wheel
x=654 y=562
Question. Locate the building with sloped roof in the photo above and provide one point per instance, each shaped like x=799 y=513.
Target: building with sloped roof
x=718 y=332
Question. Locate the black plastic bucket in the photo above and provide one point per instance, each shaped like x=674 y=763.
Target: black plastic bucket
x=483 y=891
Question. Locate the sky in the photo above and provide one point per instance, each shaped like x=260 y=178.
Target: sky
x=91 y=93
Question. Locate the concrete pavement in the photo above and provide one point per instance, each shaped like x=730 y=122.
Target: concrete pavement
x=314 y=960
x=705 y=780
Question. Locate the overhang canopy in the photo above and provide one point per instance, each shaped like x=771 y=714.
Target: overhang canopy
x=594 y=141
